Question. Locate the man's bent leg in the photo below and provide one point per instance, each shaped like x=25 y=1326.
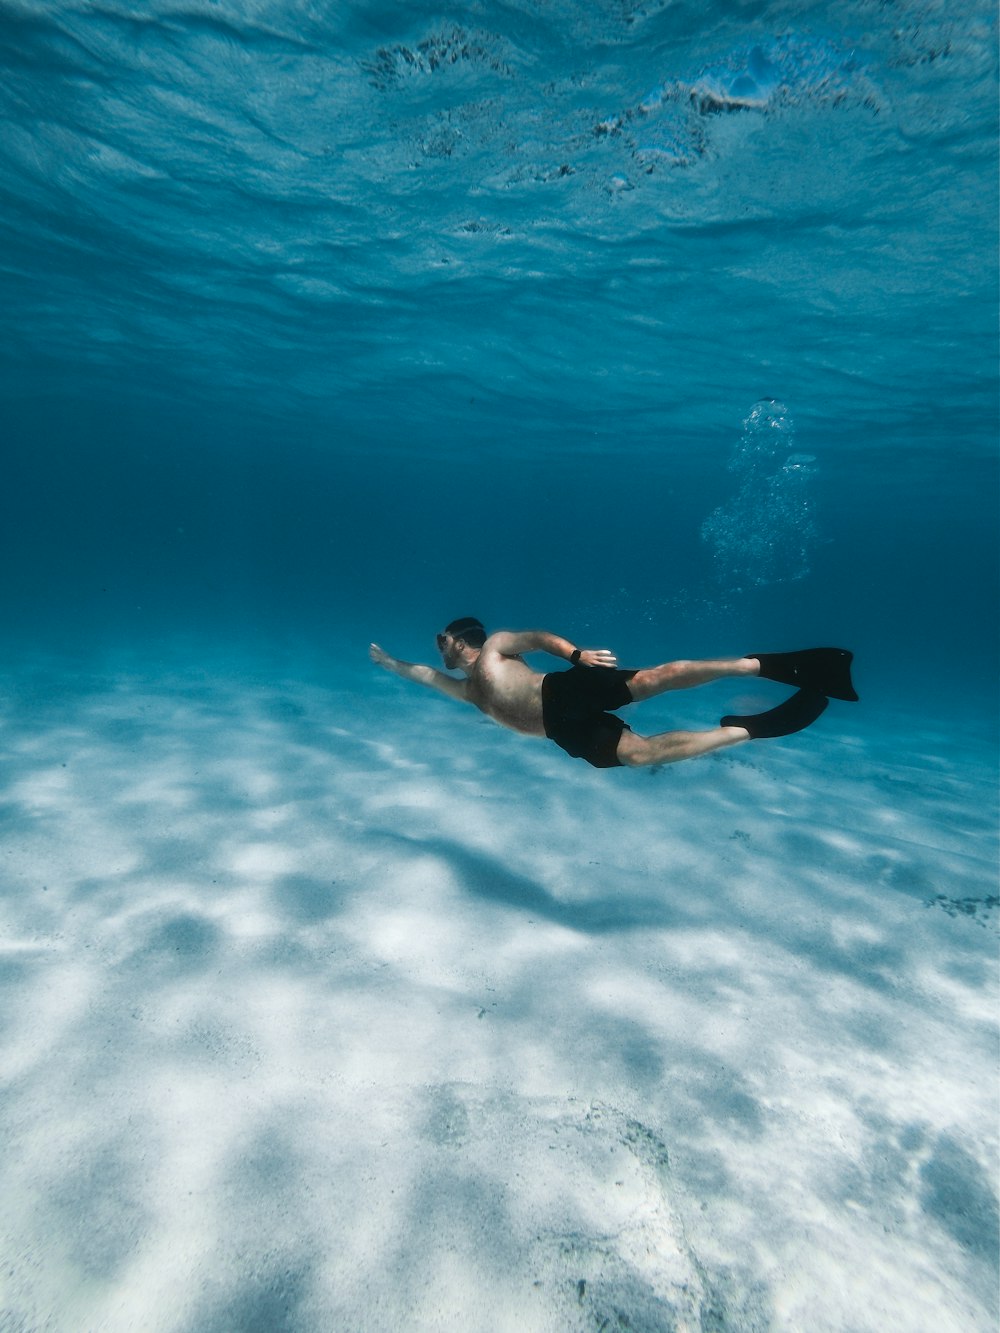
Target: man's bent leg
x=669 y=747
x=684 y=675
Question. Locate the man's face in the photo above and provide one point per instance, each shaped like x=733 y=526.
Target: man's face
x=449 y=650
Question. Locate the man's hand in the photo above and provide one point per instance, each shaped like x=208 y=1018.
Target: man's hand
x=597 y=657
x=379 y=656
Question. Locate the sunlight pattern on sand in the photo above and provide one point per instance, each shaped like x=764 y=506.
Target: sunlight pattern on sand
x=307 y=1028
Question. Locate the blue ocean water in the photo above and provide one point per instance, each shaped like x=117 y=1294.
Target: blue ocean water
x=343 y=320
x=324 y=1004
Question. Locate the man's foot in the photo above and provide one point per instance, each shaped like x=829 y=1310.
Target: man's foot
x=793 y=715
x=822 y=670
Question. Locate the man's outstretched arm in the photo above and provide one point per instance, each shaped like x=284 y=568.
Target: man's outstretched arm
x=511 y=643
x=423 y=675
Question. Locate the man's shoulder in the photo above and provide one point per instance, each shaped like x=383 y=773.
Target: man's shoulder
x=494 y=668
x=503 y=643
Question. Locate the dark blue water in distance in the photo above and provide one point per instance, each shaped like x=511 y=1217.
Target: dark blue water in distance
x=325 y=324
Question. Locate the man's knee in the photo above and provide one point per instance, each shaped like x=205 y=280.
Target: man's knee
x=649 y=681
x=633 y=750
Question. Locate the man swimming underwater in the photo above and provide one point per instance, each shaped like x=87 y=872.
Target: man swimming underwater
x=575 y=708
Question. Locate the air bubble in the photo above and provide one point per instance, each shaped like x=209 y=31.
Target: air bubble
x=765 y=533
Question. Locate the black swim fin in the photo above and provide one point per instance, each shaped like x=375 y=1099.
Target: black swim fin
x=793 y=715
x=822 y=670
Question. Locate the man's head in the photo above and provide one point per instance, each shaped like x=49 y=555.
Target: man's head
x=466 y=632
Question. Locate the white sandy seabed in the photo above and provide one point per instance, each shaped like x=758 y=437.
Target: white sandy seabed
x=338 y=1008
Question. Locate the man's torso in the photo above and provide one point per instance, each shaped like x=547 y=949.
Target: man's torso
x=508 y=691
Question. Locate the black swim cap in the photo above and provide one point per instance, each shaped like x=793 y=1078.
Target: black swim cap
x=470 y=629
x=465 y=622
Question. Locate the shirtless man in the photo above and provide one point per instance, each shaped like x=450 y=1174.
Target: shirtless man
x=575 y=708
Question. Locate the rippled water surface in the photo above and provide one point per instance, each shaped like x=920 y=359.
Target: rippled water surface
x=408 y=223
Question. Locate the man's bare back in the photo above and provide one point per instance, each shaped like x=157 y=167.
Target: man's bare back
x=576 y=709
x=506 y=689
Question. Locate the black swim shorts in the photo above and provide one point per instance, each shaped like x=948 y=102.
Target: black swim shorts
x=573 y=712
